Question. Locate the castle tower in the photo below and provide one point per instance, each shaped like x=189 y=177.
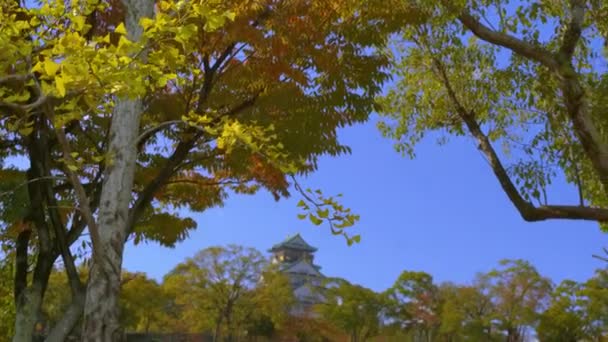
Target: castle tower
x=296 y=259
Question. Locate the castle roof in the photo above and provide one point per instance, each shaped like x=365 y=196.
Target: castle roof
x=294 y=242
x=303 y=267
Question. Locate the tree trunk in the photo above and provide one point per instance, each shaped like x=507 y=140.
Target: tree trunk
x=101 y=305
x=101 y=314
x=28 y=300
x=68 y=321
x=23 y=299
x=27 y=315
x=101 y=322
x=217 y=334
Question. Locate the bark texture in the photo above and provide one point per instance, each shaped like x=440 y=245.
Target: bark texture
x=101 y=311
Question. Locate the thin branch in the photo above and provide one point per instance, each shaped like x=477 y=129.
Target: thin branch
x=151 y=131
x=81 y=194
x=6 y=193
x=168 y=170
x=19 y=108
x=204 y=183
x=235 y=110
x=601 y=257
x=319 y=206
x=62 y=242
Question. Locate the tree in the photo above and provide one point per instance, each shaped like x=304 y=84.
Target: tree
x=519 y=293
x=467 y=313
x=230 y=90
x=415 y=305
x=356 y=310
x=595 y=296
x=143 y=304
x=272 y=300
x=566 y=318
x=527 y=80
x=215 y=288
x=7 y=307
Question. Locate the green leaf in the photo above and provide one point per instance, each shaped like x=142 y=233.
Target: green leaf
x=323 y=213
x=26 y=130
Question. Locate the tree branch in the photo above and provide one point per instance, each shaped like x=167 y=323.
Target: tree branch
x=146 y=196
x=574 y=29
x=21 y=266
x=28 y=182
x=81 y=194
x=15 y=79
x=526 y=209
x=573 y=91
x=70 y=317
x=20 y=109
x=153 y=130
x=79 y=224
x=514 y=44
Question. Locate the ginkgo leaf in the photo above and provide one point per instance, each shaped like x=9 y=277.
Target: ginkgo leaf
x=79 y=22
x=50 y=67
x=26 y=130
x=315 y=220
x=60 y=86
x=120 y=29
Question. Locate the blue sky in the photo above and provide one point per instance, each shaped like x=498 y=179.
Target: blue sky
x=442 y=213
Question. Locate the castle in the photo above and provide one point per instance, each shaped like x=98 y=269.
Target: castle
x=295 y=258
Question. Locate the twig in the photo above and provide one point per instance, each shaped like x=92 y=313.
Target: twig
x=6 y=193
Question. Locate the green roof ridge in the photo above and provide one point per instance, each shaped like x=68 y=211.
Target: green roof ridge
x=289 y=243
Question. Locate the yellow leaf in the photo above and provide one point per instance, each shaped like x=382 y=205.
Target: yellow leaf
x=26 y=130
x=120 y=29
x=79 y=22
x=146 y=23
x=34 y=21
x=97 y=159
x=60 y=85
x=164 y=5
x=50 y=67
x=73 y=168
x=37 y=67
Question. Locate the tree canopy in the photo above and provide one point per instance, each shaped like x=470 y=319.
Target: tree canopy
x=187 y=100
x=526 y=82
x=127 y=112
